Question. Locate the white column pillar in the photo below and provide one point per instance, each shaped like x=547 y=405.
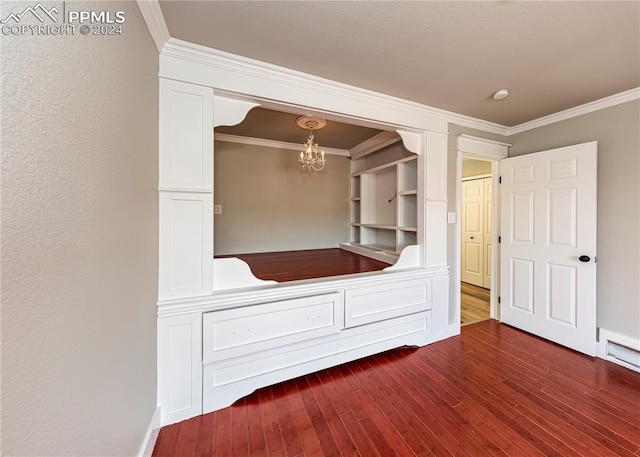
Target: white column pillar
x=185 y=190
x=435 y=201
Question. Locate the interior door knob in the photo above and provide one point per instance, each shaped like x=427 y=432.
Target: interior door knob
x=584 y=258
x=471 y=237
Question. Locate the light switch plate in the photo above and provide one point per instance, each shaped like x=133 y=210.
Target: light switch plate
x=451 y=218
x=217 y=209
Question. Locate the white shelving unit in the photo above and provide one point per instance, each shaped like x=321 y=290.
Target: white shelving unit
x=384 y=206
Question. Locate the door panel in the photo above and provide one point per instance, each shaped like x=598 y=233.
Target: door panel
x=474 y=258
x=562 y=211
x=522 y=285
x=473 y=232
x=562 y=298
x=522 y=217
x=548 y=201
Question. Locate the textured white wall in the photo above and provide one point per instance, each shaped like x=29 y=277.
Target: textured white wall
x=617 y=130
x=269 y=205
x=79 y=239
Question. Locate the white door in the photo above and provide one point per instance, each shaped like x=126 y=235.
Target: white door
x=488 y=208
x=548 y=253
x=472 y=232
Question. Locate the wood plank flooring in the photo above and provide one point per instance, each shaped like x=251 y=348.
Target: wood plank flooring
x=308 y=264
x=474 y=303
x=493 y=390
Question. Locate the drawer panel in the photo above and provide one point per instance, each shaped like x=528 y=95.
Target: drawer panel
x=373 y=304
x=240 y=331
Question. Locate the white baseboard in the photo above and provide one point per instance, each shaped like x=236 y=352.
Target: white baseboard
x=149 y=442
x=602 y=350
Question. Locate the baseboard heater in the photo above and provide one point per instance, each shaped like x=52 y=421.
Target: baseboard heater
x=621 y=350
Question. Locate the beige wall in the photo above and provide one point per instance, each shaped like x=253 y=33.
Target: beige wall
x=617 y=131
x=269 y=205
x=79 y=239
x=473 y=167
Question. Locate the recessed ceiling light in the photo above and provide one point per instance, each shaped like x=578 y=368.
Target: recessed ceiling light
x=500 y=94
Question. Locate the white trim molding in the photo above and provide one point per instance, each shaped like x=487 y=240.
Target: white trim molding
x=273 y=143
x=150 y=438
x=596 y=105
x=482 y=147
x=184 y=61
x=373 y=144
x=152 y=14
x=412 y=141
x=230 y=111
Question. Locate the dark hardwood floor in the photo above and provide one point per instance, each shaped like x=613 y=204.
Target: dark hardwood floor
x=308 y=264
x=474 y=303
x=494 y=390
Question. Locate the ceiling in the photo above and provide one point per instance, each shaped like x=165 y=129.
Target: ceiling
x=452 y=55
x=278 y=126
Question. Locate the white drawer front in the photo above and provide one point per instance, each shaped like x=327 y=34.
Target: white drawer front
x=240 y=331
x=372 y=304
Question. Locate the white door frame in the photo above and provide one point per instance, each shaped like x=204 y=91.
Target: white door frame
x=493 y=151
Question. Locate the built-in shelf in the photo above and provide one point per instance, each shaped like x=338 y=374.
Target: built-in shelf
x=383 y=167
x=384 y=207
x=380 y=247
x=380 y=226
x=384 y=253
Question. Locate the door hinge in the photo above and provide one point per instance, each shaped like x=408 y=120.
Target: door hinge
x=500 y=180
x=498 y=298
x=499 y=240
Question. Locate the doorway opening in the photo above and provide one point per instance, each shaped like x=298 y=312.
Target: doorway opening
x=476 y=218
x=490 y=152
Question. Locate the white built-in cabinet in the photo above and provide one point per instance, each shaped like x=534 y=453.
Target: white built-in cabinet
x=384 y=210
x=221 y=332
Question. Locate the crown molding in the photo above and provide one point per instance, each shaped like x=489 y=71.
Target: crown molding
x=273 y=144
x=246 y=67
x=231 y=71
x=596 y=105
x=152 y=14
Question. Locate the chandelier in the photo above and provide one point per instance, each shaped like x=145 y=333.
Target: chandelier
x=310 y=160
